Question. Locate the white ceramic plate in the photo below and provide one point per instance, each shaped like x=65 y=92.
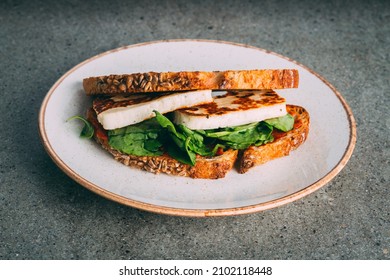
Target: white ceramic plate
x=329 y=146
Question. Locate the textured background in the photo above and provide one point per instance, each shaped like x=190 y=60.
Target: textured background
x=46 y=215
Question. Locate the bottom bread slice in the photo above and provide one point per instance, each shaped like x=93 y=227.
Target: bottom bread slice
x=205 y=168
x=284 y=142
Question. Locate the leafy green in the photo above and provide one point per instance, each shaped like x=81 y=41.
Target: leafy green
x=197 y=142
x=87 y=131
x=284 y=123
x=142 y=139
x=147 y=126
x=188 y=143
x=181 y=151
x=241 y=137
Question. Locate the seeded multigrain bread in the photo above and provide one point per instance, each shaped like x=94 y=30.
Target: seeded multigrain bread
x=205 y=168
x=196 y=80
x=284 y=142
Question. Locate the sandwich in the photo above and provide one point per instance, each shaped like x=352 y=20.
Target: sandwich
x=198 y=124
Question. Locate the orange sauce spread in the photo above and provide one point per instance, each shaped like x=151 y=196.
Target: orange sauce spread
x=276 y=133
x=100 y=132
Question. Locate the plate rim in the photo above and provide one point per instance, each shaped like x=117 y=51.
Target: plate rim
x=173 y=211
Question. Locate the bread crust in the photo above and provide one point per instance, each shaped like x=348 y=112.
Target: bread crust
x=205 y=168
x=283 y=144
x=195 y=80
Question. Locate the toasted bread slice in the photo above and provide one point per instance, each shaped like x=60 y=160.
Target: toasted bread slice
x=197 y=80
x=284 y=142
x=205 y=168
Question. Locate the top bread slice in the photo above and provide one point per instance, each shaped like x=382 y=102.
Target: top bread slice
x=196 y=80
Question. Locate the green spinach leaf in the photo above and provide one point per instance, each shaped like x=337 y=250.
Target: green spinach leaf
x=87 y=131
x=241 y=137
x=188 y=142
x=284 y=123
x=141 y=139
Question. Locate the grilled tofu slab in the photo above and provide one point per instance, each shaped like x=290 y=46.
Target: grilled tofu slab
x=232 y=109
x=119 y=111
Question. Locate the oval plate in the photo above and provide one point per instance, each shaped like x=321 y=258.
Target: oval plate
x=329 y=146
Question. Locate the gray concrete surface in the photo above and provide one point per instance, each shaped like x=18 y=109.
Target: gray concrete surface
x=46 y=215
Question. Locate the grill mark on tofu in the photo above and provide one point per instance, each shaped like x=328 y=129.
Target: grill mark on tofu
x=102 y=104
x=240 y=101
